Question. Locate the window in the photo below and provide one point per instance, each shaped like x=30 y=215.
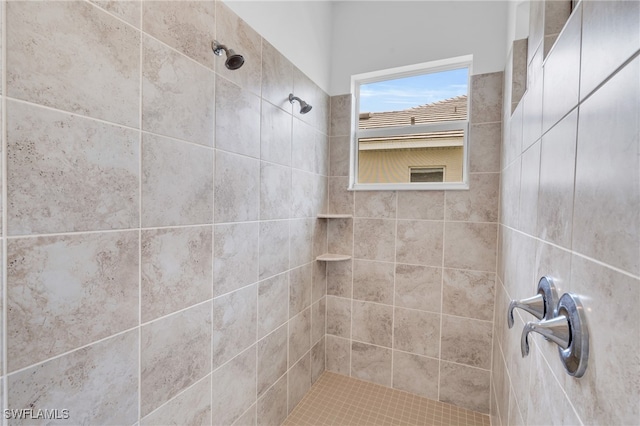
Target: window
x=410 y=127
x=426 y=174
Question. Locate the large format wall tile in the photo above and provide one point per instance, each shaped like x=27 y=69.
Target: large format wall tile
x=376 y=204
x=177 y=183
x=235 y=256
x=273 y=306
x=476 y=240
x=237 y=188
x=372 y=323
x=128 y=11
x=416 y=332
x=466 y=341
x=234 y=324
x=468 y=294
x=272 y=406
x=89 y=383
x=68 y=291
x=272 y=358
x=486 y=98
x=275 y=191
x=192 y=407
x=176 y=269
x=338 y=355
x=373 y=281
x=237 y=119
x=300 y=288
x=464 y=386
x=416 y=374
x=299 y=381
x=371 y=363
x=479 y=203
x=177 y=95
x=339 y=316
x=275 y=135
x=299 y=336
x=74 y=57
x=234 y=387
x=66 y=173
x=418 y=287
x=274 y=242
x=484 y=151
x=374 y=239
x=606 y=215
x=428 y=205
x=529 y=183
x=277 y=77
x=419 y=242
x=188 y=26
x=176 y=352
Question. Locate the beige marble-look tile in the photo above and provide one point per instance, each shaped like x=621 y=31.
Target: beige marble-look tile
x=536 y=28
x=320 y=237
x=486 y=98
x=417 y=332
x=98 y=75
x=177 y=183
x=468 y=294
x=300 y=240
x=341 y=115
x=275 y=191
x=275 y=135
x=300 y=285
x=128 y=11
x=234 y=324
x=339 y=316
x=419 y=242
x=484 y=147
x=610 y=36
x=237 y=188
x=372 y=323
x=66 y=173
x=510 y=194
x=338 y=354
x=302 y=185
x=318 y=360
x=277 y=77
x=339 y=155
x=299 y=336
x=175 y=353
x=305 y=88
x=428 y=205
x=466 y=341
x=273 y=250
x=318 y=320
x=373 y=281
x=236 y=34
x=557 y=168
x=303 y=146
x=318 y=280
x=375 y=204
x=273 y=295
x=249 y=417
x=371 y=363
x=532 y=102
x=513 y=134
x=322 y=154
x=272 y=406
x=177 y=95
x=320 y=195
x=519 y=70
x=237 y=119
x=374 y=239
x=299 y=381
x=562 y=71
x=340 y=236
x=176 y=269
x=418 y=287
x=234 y=387
x=466 y=387
x=64 y=292
x=192 y=407
x=339 y=278
x=470 y=246
x=606 y=215
x=188 y=26
x=340 y=200
x=529 y=183
x=235 y=256
x=77 y=381
x=272 y=358
x=479 y=203
x=416 y=374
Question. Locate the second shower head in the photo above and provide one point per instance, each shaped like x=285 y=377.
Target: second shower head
x=234 y=60
x=304 y=107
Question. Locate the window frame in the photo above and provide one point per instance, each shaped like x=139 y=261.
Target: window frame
x=357 y=80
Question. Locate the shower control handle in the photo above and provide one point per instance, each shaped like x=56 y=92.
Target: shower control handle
x=541 y=306
x=556 y=330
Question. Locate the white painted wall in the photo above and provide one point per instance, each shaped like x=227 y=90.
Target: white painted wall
x=375 y=35
x=300 y=30
x=517 y=22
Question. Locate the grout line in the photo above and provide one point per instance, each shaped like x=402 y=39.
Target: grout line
x=176 y=396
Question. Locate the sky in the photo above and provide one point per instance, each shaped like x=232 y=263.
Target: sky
x=407 y=92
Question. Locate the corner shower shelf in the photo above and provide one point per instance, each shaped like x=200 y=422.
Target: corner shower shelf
x=334 y=216
x=330 y=257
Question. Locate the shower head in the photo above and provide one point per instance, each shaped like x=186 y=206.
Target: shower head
x=304 y=107
x=234 y=60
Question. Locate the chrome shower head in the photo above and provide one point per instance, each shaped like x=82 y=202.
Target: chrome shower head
x=304 y=107
x=234 y=60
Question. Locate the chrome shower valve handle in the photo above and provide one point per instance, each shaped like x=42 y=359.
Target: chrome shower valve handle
x=568 y=330
x=541 y=306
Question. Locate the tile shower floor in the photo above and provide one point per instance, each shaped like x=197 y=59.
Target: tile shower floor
x=339 y=400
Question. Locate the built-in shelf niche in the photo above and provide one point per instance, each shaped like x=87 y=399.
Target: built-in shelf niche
x=333 y=257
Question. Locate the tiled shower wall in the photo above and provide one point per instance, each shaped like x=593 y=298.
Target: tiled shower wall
x=413 y=310
x=570 y=208
x=159 y=216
